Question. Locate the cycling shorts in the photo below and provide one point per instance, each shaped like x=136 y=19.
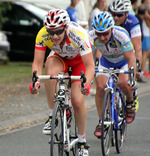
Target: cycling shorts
x=146 y=43
x=105 y=64
x=75 y=63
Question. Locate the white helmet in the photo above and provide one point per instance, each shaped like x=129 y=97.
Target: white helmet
x=120 y=6
x=56 y=18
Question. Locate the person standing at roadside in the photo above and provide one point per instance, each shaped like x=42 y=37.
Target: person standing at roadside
x=72 y=11
x=100 y=5
x=146 y=36
x=134 y=3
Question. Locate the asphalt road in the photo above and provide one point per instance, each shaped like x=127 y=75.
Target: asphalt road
x=31 y=141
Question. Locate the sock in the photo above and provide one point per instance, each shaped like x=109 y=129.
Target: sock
x=51 y=112
x=81 y=138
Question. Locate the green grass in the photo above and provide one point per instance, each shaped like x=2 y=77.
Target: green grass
x=14 y=72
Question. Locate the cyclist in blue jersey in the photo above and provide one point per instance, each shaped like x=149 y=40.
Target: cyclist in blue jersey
x=120 y=12
x=117 y=51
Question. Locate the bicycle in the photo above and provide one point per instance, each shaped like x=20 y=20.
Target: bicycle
x=63 y=138
x=113 y=120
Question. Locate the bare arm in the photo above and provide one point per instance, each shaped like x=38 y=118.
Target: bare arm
x=38 y=61
x=90 y=66
x=131 y=60
x=147 y=18
x=136 y=41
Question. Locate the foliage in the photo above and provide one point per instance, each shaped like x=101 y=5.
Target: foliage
x=3 y=7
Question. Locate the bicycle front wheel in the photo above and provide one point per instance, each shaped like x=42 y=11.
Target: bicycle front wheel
x=120 y=132
x=56 y=138
x=73 y=133
x=106 y=125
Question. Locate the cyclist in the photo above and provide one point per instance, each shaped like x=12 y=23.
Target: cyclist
x=71 y=47
x=117 y=52
x=120 y=12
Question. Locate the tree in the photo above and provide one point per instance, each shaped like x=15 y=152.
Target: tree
x=3 y=7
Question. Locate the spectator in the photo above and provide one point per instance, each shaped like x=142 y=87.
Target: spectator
x=134 y=7
x=72 y=11
x=146 y=37
x=100 y=5
x=140 y=16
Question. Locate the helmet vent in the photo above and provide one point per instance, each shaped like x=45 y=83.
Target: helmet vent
x=52 y=16
x=119 y=6
x=56 y=19
x=48 y=20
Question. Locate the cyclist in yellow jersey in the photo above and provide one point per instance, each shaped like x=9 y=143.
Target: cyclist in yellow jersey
x=70 y=46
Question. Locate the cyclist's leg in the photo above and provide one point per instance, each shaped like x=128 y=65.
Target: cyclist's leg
x=101 y=80
x=54 y=64
x=78 y=102
x=130 y=107
x=80 y=112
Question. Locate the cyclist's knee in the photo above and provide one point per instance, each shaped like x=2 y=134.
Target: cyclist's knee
x=77 y=103
x=100 y=89
x=123 y=85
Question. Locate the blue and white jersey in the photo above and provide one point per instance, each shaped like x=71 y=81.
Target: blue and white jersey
x=132 y=26
x=119 y=43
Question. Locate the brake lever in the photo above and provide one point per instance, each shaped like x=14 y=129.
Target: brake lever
x=83 y=80
x=34 y=78
x=131 y=76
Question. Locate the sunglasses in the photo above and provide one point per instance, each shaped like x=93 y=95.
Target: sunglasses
x=118 y=15
x=102 y=34
x=58 y=32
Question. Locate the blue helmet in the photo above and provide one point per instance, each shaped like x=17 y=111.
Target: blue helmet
x=103 y=22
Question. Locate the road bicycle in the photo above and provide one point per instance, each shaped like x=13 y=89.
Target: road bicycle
x=113 y=120
x=63 y=139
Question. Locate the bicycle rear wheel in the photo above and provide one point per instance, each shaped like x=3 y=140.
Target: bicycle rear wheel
x=122 y=126
x=56 y=138
x=106 y=125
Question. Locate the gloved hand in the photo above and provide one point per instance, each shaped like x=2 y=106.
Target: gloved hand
x=36 y=90
x=133 y=87
x=86 y=89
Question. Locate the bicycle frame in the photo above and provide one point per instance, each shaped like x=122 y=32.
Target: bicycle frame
x=62 y=96
x=112 y=84
x=113 y=116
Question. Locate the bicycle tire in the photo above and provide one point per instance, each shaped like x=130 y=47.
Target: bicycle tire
x=122 y=126
x=106 y=130
x=73 y=132
x=56 y=138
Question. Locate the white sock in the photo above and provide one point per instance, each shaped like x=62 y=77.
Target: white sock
x=81 y=138
x=51 y=112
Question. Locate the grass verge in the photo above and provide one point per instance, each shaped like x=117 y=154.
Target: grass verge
x=14 y=72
